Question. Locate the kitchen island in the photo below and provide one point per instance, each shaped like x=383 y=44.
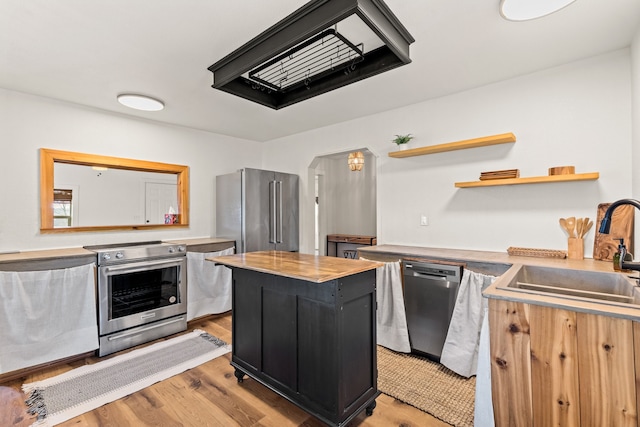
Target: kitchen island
x=305 y=327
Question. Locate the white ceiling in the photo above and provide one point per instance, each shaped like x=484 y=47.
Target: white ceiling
x=88 y=51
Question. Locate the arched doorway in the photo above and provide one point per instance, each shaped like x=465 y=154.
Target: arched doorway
x=345 y=200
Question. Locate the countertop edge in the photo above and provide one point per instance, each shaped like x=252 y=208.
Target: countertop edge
x=45 y=254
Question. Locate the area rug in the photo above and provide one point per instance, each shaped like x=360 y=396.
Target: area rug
x=73 y=393
x=427 y=385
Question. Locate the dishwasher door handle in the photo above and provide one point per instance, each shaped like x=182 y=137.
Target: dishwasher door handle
x=427 y=276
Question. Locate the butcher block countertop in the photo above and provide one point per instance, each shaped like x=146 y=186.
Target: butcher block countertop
x=49 y=259
x=395 y=252
x=311 y=268
x=511 y=264
x=45 y=254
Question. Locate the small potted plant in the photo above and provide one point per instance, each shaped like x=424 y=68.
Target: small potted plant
x=402 y=140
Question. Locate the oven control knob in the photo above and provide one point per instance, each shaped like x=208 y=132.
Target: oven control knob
x=119 y=255
x=181 y=248
x=171 y=249
x=106 y=257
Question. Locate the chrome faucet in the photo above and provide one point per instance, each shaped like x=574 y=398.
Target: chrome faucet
x=605 y=226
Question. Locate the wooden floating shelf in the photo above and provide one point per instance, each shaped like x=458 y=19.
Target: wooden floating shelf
x=502 y=138
x=530 y=180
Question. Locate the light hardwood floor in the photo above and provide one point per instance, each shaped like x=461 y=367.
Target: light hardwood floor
x=207 y=395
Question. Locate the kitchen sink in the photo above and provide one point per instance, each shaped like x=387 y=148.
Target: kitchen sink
x=572 y=284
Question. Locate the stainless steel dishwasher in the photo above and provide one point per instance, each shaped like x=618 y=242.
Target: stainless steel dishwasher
x=430 y=292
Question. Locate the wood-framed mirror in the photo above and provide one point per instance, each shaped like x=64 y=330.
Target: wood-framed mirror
x=88 y=192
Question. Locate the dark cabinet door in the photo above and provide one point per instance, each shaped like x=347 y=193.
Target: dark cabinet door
x=279 y=336
x=318 y=368
x=360 y=369
x=246 y=318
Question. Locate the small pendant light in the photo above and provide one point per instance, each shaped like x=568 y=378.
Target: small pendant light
x=356 y=161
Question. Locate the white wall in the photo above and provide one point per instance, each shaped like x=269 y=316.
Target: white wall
x=578 y=114
x=349 y=197
x=28 y=123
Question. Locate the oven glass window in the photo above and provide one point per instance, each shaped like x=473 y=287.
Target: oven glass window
x=140 y=291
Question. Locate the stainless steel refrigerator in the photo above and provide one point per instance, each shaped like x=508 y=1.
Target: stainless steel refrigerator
x=258 y=209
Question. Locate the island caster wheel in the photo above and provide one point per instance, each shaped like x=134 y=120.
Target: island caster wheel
x=239 y=375
x=370 y=408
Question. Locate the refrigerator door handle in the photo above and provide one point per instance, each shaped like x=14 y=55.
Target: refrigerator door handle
x=272 y=212
x=279 y=199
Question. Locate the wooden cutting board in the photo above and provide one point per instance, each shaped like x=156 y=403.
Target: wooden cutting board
x=604 y=245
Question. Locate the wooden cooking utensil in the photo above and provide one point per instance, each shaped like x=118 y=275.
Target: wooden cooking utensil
x=579 y=228
x=571 y=225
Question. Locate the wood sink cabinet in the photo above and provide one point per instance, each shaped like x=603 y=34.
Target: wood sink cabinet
x=311 y=340
x=554 y=366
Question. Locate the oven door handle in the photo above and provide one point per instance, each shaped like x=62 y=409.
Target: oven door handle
x=145 y=266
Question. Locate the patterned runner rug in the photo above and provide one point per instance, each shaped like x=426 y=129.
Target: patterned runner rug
x=68 y=395
x=427 y=385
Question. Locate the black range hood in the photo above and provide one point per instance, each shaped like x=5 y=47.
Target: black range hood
x=324 y=45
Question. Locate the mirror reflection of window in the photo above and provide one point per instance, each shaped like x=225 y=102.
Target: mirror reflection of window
x=111 y=196
x=62 y=207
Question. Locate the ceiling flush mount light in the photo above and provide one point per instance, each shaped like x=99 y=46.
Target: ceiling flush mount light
x=140 y=102
x=356 y=161
x=524 y=10
x=324 y=45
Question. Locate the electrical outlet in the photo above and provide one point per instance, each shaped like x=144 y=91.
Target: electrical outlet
x=424 y=220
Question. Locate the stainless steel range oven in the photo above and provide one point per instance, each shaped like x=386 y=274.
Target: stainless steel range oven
x=142 y=293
